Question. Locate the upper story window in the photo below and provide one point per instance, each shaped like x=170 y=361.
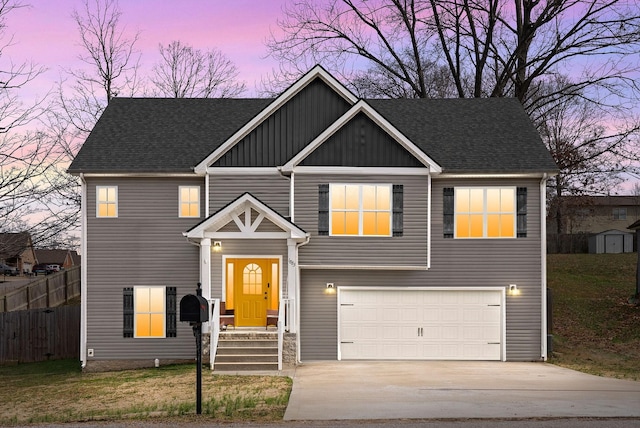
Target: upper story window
x=189 y=201
x=360 y=209
x=485 y=212
x=106 y=201
x=619 y=213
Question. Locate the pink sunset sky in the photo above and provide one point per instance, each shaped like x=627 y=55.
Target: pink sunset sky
x=46 y=33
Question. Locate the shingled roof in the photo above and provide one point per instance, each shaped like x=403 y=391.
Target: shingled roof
x=137 y=135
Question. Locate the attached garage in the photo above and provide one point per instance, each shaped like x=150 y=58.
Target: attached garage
x=421 y=324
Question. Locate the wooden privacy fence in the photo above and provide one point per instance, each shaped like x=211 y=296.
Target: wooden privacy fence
x=51 y=291
x=40 y=334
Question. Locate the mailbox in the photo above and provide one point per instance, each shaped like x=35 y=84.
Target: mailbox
x=194 y=309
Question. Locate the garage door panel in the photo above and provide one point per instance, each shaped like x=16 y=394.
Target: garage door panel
x=424 y=324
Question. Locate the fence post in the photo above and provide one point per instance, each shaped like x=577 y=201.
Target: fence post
x=28 y=297
x=48 y=295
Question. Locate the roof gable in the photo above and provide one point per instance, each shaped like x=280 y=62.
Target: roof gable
x=315 y=73
x=364 y=112
x=246 y=217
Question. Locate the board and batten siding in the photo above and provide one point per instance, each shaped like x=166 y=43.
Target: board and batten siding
x=410 y=249
x=143 y=246
x=454 y=263
x=271 y=189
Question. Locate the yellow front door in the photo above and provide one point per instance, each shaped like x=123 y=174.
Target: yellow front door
x=254 y=287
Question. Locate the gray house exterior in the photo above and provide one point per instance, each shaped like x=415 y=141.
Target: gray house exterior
x=379 y=229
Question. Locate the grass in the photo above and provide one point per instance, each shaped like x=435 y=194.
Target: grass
x=596 y=331
x=58 y=392
x=595 y=328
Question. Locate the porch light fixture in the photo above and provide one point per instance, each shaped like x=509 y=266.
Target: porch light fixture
x=331 y=288
x=513 y=290
x=217 y=246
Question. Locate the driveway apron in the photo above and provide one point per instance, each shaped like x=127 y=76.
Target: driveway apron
x=456 y=390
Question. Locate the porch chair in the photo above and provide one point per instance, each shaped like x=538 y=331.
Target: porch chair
x=272 y=318
x=227 y=317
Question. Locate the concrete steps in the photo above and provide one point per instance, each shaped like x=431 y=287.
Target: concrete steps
x=247 y=351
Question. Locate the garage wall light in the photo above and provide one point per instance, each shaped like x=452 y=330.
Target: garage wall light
x=513 y=290
x=217 y=246
x=331 y=288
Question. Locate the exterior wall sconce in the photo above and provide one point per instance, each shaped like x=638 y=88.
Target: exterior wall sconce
x=217 y=246
x=513 y=290
x=331 y=288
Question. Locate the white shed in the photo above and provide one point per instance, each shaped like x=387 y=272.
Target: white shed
x=611 y=241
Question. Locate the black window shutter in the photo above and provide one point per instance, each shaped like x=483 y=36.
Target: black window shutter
x=127 y=310
x=398 y=203
x=323 y=209
x=522 y=212
x=447 y=211
x=171 y=319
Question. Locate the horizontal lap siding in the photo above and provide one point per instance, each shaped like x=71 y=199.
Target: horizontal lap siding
x=144 y=246
x=271 y=189
x=454 y=263
x=407 y=250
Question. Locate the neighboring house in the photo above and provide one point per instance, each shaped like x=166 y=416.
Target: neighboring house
x=387 y=229
x=596 y=214
x=60 y=257
x=16 y=249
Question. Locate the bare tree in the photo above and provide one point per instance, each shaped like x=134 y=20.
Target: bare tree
x=186 y=72
x=489 y=47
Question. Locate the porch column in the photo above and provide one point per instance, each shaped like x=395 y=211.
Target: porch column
x=205 y=267
x=292 y=284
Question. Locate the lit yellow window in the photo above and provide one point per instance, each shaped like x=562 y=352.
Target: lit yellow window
x=106 y=201
x=189 y=201
x=485 y=212
x=149 y=311
x=360 y=209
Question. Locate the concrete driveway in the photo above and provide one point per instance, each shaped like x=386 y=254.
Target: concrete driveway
x=457 y=390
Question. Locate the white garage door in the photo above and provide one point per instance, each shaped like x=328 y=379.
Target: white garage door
x=420 y=324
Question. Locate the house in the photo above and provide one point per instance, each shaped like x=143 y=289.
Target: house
x=16 y=249
x=56 y=256
x=379 y=229
x=596 y=214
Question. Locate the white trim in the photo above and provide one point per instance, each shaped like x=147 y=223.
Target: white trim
x=243 y=171
x=292 y=199
x=325 y=170
x=429 y=225
x=485 y=213
x=543 y=267
x=446 y=175
x=164 y=311
x=316 y=72
x=362 y=107
x=225 y=257
x=503 y=307
x=98 y=201
x=360 y=210
x=207 y=189
x=140 y=174
x=180 y=201
x=209 y=227
x=364 y=267
x=83 y=271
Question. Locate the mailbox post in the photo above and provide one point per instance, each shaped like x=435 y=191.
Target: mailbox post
x=195 y=311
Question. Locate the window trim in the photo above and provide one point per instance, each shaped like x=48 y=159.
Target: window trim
x=485 y=213
x=361 y=211
x=99 y=202
x=617 y=213
x=180 y=201
x=164 y=312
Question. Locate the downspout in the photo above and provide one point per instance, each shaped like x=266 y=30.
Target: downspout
x=543 y=253
x=206 y=194
x=83 y=271
x=429 y=221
